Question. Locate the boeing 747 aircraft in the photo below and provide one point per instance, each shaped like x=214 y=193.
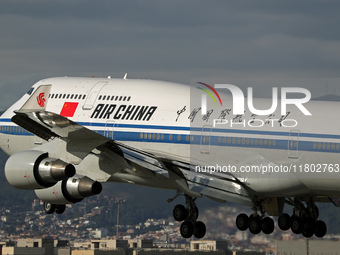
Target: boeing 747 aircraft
x=66 y=136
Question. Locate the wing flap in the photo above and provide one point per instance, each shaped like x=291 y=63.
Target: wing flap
x=183 y=177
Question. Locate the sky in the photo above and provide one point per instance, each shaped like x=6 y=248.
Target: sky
x=260 y=43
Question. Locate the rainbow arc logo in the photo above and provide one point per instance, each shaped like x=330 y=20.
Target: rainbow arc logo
x=204 y=97
x=209 y=93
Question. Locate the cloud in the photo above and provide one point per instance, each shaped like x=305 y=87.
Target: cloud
x=175 y=40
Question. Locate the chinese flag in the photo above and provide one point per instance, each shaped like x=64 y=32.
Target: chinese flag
x=68 y=109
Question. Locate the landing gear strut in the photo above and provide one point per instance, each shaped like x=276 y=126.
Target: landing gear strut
x=190 y=226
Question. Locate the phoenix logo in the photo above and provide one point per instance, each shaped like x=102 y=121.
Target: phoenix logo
x=41 y=99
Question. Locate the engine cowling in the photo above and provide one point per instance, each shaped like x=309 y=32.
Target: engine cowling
x=68 y=191
x=36 y=170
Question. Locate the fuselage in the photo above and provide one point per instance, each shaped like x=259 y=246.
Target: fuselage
x=274 y=155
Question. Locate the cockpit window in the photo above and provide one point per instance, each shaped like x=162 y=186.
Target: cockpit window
x=30 y=91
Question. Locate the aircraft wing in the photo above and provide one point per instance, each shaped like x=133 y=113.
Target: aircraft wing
x=137 y=166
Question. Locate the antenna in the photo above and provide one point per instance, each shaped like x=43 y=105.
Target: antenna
x=124 y=78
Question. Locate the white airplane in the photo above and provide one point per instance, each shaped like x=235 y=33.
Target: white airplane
x=67 y=135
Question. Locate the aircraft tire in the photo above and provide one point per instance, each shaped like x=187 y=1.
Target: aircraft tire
x=242 y=222
x=60 y=209
x=308 y=228
x=199 y=230
x=187 y=229
x=284 y=221
x=255 y=225
x=49 y=208
x=180 y=213
x=296 y=225
x=321 y=229
x=267 y=225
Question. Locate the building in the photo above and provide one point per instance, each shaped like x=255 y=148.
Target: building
x=302 y=247
x=209 y=245
x=37 y=247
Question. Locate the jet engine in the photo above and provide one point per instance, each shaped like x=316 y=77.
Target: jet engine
x=68 y=191
x=36 y=170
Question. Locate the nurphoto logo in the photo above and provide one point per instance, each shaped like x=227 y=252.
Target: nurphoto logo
x=239 y=103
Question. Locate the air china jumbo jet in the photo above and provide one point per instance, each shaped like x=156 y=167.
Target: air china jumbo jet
x=67 y=135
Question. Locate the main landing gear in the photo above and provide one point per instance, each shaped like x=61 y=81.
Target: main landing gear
x=255 y=222
x=304 y=220
x=190 y=226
